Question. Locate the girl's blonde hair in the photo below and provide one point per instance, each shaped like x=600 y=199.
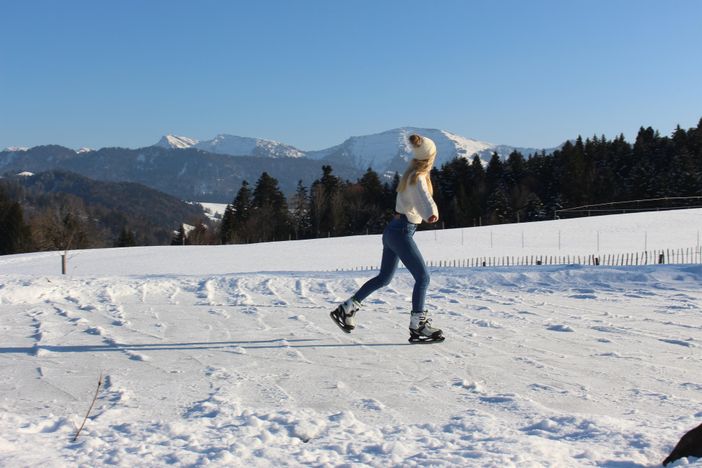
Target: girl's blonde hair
x=417 y=168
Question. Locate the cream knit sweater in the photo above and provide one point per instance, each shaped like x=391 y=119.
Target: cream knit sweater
x=416 y=203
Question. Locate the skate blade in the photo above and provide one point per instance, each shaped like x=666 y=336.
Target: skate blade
x=427 y=340
x=335 y=318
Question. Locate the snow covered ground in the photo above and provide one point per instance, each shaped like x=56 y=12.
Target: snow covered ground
x=225 y=356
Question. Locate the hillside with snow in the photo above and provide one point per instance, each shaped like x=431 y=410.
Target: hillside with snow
x=245 y=146
x=233 y=145
x=226 y=356
x=175 y=142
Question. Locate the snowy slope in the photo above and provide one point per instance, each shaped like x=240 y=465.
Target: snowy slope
x=390 y=150
x=583 y=236
x=16 y=149
x=214 y=210
x=244 y=146
x=173 y=141
x=204 y=365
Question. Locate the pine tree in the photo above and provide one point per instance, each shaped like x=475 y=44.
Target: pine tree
x=444 y=193
x=15 y=234
x=226 y=227
x=498 y=207
x=534 y=210
x=126 y=238
x=327 y=206
x=372 y=203
x=497 y=203
x=390 y=194
x=241 y=207
x=476 y=186
x=494 y=174
x=300 y=206
x=515 y=169
x=372 y=188
x=518 y=184
x=642 y=180
x=269 y=211
x=573 y=178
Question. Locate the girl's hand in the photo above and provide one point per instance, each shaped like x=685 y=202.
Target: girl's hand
x=432 y=219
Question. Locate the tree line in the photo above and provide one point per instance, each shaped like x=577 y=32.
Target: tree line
x=468 y=192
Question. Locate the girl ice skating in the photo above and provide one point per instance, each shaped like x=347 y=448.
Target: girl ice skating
x=413 y=205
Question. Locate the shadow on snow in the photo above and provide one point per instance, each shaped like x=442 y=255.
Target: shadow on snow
x=248 y=345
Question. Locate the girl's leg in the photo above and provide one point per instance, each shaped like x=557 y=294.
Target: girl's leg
x=418 y=268
x=388 y=266
x=408 y=252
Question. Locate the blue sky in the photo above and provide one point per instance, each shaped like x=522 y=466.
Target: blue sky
x=311 y=73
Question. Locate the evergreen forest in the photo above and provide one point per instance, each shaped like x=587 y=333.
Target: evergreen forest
x=521 y=188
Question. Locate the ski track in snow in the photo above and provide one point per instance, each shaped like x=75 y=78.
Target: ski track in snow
x=540 y=368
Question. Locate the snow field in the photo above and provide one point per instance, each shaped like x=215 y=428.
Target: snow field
x=542 y=366
x=602 y=235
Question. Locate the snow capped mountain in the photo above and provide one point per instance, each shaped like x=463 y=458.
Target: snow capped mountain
x=24 y=149
x=386 y=151
x=390 y=150
x=174 y=141
x=244 y=146
x=231 y=159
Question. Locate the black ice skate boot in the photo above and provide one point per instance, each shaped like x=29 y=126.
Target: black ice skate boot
x=345 y=315
x=421 y=330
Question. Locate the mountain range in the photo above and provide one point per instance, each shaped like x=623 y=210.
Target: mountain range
x=213 y=170
x=383 y=152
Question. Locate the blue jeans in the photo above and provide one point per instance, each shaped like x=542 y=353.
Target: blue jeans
x=399 y=245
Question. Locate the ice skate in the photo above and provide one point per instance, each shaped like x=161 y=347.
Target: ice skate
x=421 y=330
x=345 y=315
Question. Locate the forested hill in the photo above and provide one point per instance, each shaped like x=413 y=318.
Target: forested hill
x=589 y=171
x=62 y=205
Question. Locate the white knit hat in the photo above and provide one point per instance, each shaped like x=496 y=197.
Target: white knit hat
x=426 y=150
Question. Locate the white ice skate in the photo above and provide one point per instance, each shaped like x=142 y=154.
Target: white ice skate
x=345 y=315
x=421 y=330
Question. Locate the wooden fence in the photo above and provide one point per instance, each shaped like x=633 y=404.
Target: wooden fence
x=691 y=255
